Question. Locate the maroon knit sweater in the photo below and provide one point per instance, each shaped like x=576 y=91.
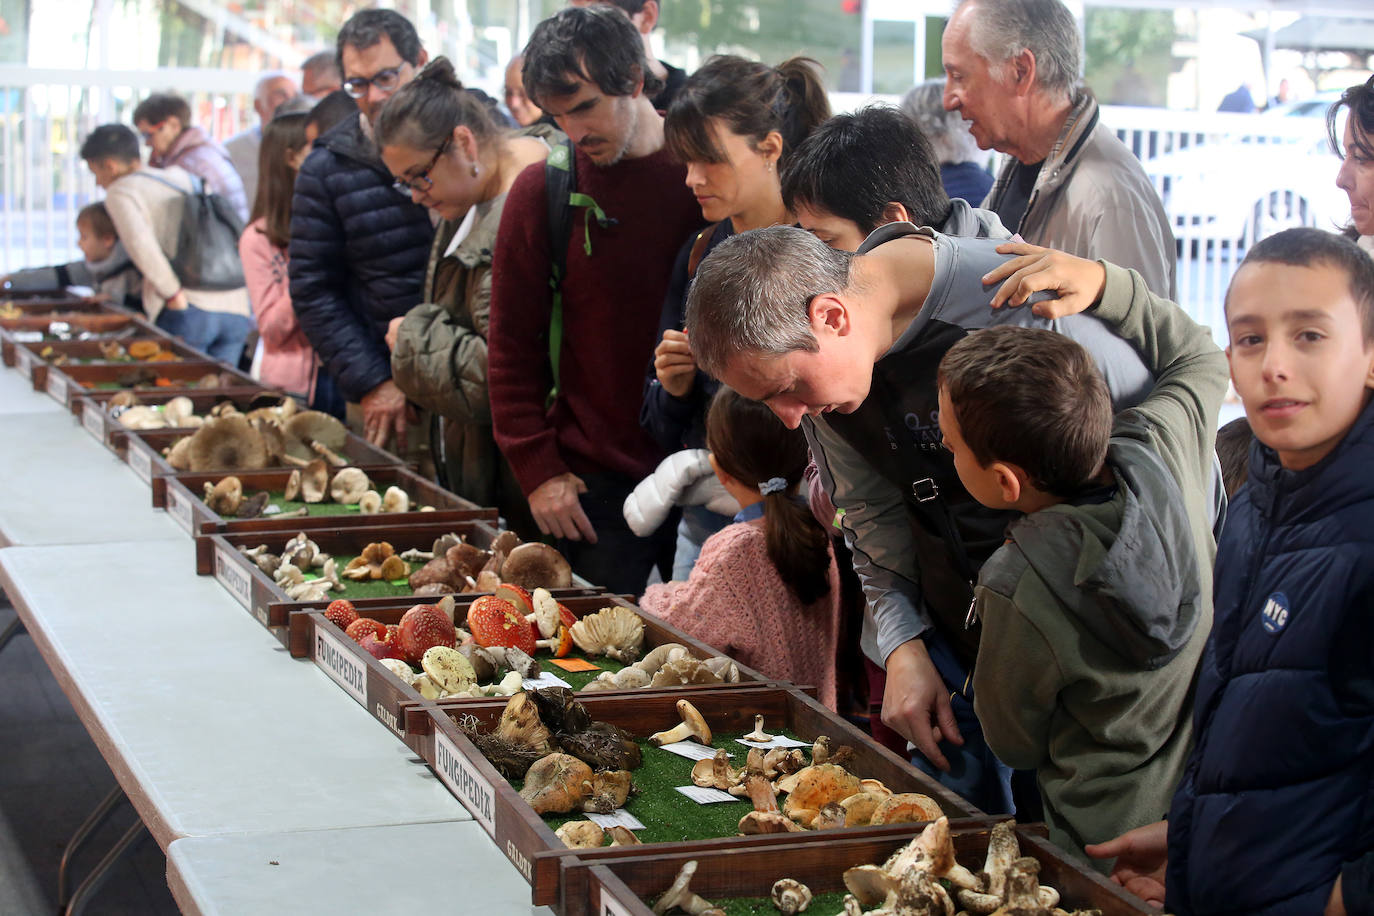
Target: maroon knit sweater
x=611 y=305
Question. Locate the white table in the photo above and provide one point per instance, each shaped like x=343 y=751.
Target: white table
x=448 y=868
x=18 y=397
x=59 y=486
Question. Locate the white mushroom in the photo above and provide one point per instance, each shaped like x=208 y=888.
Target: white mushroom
x=348 y=486
x=370 y=503
x=616 y=632
x=395 y=500
x=791 y=896
x=758 y=735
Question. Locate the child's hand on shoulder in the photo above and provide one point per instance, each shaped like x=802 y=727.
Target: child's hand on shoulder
x=1076 y=282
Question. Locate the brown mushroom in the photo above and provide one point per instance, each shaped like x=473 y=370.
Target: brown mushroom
x=309 y=426
x=715 y=772
x=581 y=834
x=758 y=735
x=536 y=565
x=293 y=486
x=790 y=896
x=905 y=808
x=227 y=443
x=179 y=455
x=314 y=481
x=624 y=836
x=557 y=784
x=609 y=790
x=252 y=506
x=816 y=786
x=692 y=726
x=678 y=895
x=765 y=818
x=223 y=498
x=377 y=561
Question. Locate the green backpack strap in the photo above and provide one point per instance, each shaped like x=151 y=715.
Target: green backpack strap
x=560 y=181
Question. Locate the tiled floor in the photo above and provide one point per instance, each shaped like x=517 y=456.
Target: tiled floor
x=51 y=777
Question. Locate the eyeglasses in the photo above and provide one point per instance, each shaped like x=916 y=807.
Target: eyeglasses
x=422 y=182
x=386 y=80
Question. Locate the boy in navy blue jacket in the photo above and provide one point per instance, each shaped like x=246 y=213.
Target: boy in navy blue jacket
x=1274 y=814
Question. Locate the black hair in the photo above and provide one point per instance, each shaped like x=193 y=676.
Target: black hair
x=1233 y=451
x=630 y=7
x=160 y=106
x=97 y=218
x=111 y=141
x=855 y=164
x=1360 y=100
x=330 y=110
x=753 y=446
x=595 y=43
x=750 y=98
x=1308 y=247
x=423 y=113
x=367 y=28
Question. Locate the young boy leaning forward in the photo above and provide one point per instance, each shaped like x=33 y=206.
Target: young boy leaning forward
x=1096 y=609
x=1274 y=813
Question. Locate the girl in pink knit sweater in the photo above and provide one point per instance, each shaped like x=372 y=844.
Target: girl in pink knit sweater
x=765 y=589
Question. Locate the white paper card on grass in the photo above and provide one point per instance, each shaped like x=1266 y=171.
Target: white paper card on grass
x=691 y=750
x=778 y=741
x=545 y=679
x=617 y=818
x=705 y=796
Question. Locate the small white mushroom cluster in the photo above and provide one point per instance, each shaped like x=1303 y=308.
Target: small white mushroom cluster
x=449 y=672
x=299 y=556
x=178 y=413
x=666 y=665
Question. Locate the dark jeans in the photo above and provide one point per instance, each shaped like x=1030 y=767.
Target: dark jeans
x=620 y=560
x=328 y=398
x=217 y=334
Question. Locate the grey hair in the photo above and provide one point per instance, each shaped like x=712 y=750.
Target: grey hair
x=1002 y=29
x=753 y=293
x=947 y=131
x=260 y=87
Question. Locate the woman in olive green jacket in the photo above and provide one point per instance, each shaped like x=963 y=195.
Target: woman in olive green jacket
x=445 y=151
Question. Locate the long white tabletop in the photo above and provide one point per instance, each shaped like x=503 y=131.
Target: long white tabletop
x=448 y=868
x=17 y=396
x=59 y=486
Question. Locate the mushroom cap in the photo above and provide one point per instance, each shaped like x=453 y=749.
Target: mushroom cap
x=536 y=565
x=395 y=500
x=348 y=486
x=556 y=784
x=448 y=668
x=370 y=503
x=581 y=834
x=678 y=889
x=905 y=808
x=314 y=481
x=870 y=884
x=818 y=785
x=227 y=443
x=224 y=497
x=141 y=416
x=615 y=629
x=313 y=425
x=292 y=489
x=178 y=410
x=790 y=896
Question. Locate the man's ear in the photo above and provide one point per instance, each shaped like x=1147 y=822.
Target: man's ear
x=1023 y=72
x=647 y=18
x=421 y=59
x=829 y=316
x=894 y=212
x=1011 y=480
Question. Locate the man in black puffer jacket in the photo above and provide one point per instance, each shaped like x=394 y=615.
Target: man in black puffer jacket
x=358 y=248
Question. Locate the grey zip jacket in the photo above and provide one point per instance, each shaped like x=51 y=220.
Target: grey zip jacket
x=1093 y=199
x=917 y=536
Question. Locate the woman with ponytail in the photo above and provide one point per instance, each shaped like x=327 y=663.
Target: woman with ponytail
x=446 y=153
x=765 y=589
x=734 y=123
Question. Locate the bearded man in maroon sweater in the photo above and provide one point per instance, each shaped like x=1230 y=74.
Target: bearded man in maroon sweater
x=578 y=457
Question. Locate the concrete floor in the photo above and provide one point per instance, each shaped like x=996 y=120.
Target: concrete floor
x=51 y=777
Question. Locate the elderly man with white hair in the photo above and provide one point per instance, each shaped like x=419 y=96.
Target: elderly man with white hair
x=272 y=91
x=1012 y=69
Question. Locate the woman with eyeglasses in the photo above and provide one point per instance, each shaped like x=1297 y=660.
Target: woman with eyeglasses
x=448 y=154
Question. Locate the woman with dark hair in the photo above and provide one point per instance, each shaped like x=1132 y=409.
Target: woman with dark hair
x=766 y=589
x=288 y=361
x=447 y=154
x=734 y=123
x=1356 y=149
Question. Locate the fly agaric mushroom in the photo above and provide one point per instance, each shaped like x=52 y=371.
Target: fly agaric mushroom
x=395 y=500
x=616 y=632
x=715 y=772
x=536 y=565
x=226 y=443
x=678 y=895
x=348 y=486
x=758 y=735
x=314 y=481
x=790 y=896
x=557 y=784
x=223 y=498
x=495 y=622
x=692 y=726
x=581 y=834
x=423 y=627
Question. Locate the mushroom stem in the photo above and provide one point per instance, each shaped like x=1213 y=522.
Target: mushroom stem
x=328 y=454
x=758 y=735
x=692 y=726
x=293 y=460
x=679 y=896
x=294 y=513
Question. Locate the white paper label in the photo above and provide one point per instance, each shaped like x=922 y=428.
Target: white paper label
x=179 y=509
x=27 y=336
x=464 y=781
x=23 y=361
x=140 y=460
x=347 y=670
x=691 y=750
x=617 y=818
x=705 y=796
x=93 y=420
x=778 y=741
x=545 y=679
x=57 y=386
x=611 y=906
x=231 y=574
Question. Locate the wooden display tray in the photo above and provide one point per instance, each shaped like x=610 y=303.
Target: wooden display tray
x=142 y=449
x=96 y=419
x=68 y=385
x=92 y=321
x=33 y=366
x=406 y=713
x=622 y=886
x=185 y=504
x=536 y=851
x=266 y=601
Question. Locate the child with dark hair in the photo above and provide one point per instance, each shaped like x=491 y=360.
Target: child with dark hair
x=107 y=268
x=1272 y=815
x=765 y=589
x=1096 y=608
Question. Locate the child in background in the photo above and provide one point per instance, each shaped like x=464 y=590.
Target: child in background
x=1273 y=815
x=106 y=269
x=765 y=589
x=1096 y=608
x=288 y=362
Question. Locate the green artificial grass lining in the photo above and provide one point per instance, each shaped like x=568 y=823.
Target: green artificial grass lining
x=821 y=904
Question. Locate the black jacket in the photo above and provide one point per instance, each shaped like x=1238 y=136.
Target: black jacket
x=358 y=256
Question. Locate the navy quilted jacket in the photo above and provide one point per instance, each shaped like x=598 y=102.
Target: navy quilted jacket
x=358 y=256
x=1277 y=799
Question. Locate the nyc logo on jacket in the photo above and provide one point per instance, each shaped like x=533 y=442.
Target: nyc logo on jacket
x=1275 y=614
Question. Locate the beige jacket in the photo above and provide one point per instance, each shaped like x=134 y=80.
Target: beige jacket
x=147 y=214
